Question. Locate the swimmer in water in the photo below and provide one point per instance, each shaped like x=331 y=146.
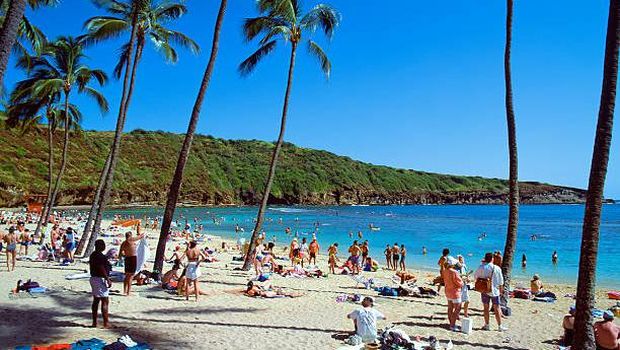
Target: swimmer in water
x=424 y=251
x=523 y=261
x=554 y=257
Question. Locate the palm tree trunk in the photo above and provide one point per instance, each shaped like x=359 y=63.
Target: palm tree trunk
x=93 y=209
x=513 y=191
x=106 y=168
x=175 y=186
x=50 y=174
x=8 y=34
x=272 y=167
x=584 y=333
x=63 y=161
x=107 y=188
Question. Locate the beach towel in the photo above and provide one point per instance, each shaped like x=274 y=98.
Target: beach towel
x=88 y=344
x=142 y=253
x=544 y=299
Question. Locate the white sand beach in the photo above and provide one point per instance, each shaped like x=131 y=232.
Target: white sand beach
x=226 y=319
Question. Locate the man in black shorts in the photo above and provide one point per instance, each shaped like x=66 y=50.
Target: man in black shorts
x=100 y=282
x=128 y=250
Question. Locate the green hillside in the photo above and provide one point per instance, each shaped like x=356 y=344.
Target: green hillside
x=233 y=171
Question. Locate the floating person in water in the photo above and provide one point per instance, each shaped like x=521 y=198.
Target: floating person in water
x=523 y=261
x=554 y=257
x=359 y=234
x=350 y=234
x=534 y=237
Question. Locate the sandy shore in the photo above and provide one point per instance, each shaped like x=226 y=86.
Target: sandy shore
x=225 y=319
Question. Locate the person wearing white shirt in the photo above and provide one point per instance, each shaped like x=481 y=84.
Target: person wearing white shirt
x=489 y=271
x=365 y=320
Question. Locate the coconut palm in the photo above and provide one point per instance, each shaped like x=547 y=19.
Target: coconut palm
x=513 y=184
x=584 y=333
x=61 y=71
x=283 y=20
x=28 y=113
x=15 y=25
x=175 y=186
x=147 y=20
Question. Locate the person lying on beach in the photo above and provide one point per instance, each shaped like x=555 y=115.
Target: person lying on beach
x=253 y=290
x=183 y=289
x=405 y=276
x=365 y=320
x=568 y=324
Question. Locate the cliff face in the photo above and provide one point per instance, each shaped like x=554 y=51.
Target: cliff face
x=221 y=172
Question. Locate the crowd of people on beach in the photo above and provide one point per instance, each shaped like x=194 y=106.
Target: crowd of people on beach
x=303 y=255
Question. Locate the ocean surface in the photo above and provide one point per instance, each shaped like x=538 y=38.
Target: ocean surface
x=457 y=227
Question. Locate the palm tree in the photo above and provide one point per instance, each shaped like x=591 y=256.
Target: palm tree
x=58 y=72
x=175 y=186
x=147 y=20
x=282 y=19
x=584 y=333
x=513 y=184
x=15 y=25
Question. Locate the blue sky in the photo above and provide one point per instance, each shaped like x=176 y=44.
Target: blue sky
x=414 y=84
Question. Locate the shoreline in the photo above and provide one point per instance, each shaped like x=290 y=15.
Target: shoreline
x=315 y=320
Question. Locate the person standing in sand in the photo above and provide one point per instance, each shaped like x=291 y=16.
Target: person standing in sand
x=355 y=251
x=24 y=241
x=403 y=255
x=11 y=246
x=332 y=251
x=128 y=250
x=100 y=282
x=388 y=256
x=489 y=271
x=314 y=251
x=454 y=284
x=194 y=257
x=365 y=250
x=395 y=256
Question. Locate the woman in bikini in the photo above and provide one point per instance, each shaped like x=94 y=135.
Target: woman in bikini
x=332 y=251
x=11 y=245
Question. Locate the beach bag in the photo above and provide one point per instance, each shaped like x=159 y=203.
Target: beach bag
x=467 y=325
x=506 y=311
x=484 y=285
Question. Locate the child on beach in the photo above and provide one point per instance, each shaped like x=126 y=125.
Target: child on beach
x=365 y=320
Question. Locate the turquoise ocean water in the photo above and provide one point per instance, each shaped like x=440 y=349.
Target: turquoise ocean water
x=558 y=227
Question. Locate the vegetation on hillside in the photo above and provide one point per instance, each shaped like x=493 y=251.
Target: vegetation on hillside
x=218 y=172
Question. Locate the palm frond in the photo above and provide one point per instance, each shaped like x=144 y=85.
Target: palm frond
x=247 y=66
x=168 y=11
x=34 y=4
x=122 y=61
x=288 y=9
x=178 y=38
x=32 y=34
x=253 y=27
x=321 y=16
x=316 y=51
x=163 y=46
x=284 y=31
x=103 y=28
x=96 y=95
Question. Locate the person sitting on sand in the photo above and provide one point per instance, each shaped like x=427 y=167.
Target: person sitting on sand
x=606 y=333
x=332 y=251
x=128 y=250
x=171 y=278
x=454 y=284
x=536 y=285
x=100 y=282
x=405 y=276
x=370 y=265
x=365 y=320
x=11 y=246
x=568 y=323
x=192 y=271
x=183 y=289
x=388 y=256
